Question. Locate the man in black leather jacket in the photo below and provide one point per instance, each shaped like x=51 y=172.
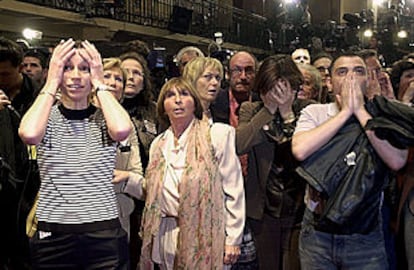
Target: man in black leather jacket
x=342 y=224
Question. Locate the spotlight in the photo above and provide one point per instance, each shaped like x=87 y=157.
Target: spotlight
x=368 y=33
x=32 y=34
x=379 y=2
x=402 y=34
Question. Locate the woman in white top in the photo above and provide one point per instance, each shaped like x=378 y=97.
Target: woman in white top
x=194 y=212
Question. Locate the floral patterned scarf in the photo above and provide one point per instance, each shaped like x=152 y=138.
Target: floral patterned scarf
x=201 y=208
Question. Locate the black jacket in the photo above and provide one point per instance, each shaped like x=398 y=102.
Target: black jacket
x=348 y=171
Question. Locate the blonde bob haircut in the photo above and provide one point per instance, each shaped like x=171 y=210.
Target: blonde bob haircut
x=115 y=62
x=195 y=68
x=180 y=84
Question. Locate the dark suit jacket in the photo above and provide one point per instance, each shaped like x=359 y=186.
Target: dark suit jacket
x=220 y=108
x=252 y=138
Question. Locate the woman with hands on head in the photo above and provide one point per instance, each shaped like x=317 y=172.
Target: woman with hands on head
x=194 y=210
x=78 y=221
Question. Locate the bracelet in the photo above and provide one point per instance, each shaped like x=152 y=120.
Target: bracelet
x=103 y=87
x=47 y=92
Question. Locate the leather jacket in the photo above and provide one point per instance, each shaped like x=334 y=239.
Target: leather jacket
x=348 y=172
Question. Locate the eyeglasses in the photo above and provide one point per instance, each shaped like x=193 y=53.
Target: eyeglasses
x=323 y=69
x=237 y=71
x=209 y=77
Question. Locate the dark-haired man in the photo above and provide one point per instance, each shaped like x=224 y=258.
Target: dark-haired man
x=346 y=166
x=16 y=94
x=35 y=66
x=379 y=82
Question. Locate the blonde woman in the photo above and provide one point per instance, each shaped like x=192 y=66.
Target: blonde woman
x=205 y=74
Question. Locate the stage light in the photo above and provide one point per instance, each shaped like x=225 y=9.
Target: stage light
x=32 y=34
x=402 y=34
x=379 y=2
x=368 y=33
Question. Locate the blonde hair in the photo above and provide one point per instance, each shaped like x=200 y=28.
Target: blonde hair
x=195 y=68
x=114 y=62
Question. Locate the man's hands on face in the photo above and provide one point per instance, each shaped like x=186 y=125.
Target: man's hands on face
x=408 y=96
x=386 y=86
x=351 y=98
x=374 y=87
x=4 y=100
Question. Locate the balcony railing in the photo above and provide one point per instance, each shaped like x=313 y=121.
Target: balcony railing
x=205 y=17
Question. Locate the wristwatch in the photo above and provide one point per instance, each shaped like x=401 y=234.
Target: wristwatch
x=104 y=87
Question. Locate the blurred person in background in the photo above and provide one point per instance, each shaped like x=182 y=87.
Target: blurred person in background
x=379 y=82
x=18 y=176
x=403 y=82
x=301 y=56
x=312 y=87
x=322 y=62
x=185 y=55
x=138 y=101
x=35 y=65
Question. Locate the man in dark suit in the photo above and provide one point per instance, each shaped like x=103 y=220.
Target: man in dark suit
x=242 y=73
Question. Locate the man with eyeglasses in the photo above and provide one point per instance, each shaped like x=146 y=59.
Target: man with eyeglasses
x=242 y=73
x=185 y=55
x=322 y=62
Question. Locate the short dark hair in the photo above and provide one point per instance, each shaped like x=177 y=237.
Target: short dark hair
x=321 y=55
x=350 y=53
x=39 y=54
x=10 y=51
x=275 y=67
x=397 y=70
x=367 y=53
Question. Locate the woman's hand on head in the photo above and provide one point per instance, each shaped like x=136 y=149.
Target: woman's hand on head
x=94 y=59
x=60 y=56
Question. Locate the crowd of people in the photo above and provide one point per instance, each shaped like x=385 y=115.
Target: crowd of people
x=298 y=161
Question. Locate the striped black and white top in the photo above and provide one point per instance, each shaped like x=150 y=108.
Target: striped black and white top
x=76 y=160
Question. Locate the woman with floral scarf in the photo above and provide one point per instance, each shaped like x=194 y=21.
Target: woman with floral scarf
x=195 y=210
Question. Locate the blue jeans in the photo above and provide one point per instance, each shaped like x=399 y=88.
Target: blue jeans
x=409 y=234
x=320 y=250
